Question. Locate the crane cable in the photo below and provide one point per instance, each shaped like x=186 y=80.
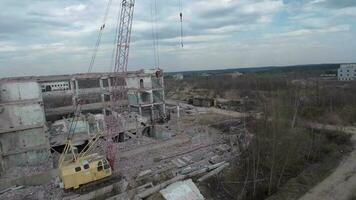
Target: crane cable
x=75 y=119
x=155 y=36
x=181 y=22
x=101 y=30
x=112 y=63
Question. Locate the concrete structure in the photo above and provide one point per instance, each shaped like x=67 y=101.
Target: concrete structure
x=61 y=93
x=23 y=141
x=146 y=94
x=347 y=72
x=180 y=190
x=36 y=112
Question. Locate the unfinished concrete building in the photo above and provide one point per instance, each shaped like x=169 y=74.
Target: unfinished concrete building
x=146 y=93
x=23 y=140
x=36 y=112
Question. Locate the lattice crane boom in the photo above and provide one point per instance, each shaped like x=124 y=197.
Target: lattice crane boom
x=119 y=83
x=124 y=36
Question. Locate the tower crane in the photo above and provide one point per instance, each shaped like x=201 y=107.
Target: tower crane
x=121 y=62
x=77 y=169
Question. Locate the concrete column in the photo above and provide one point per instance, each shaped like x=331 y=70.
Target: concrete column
x=140 y=110
x=178 y=119
x=163 y=96
x=110 y=89
x=102 y=90
x=138 y=133
x=162 y=81
x=153 y=112
x=2 y=164
x=178 y=111
x=164 y=103
x=151 y=96
x=164 y=109
x=74 y=87
x=139 y=100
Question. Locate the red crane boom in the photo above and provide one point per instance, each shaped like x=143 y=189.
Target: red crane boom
x=119 y=82
x=124 y=36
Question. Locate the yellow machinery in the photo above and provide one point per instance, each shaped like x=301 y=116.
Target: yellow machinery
x=77 y=169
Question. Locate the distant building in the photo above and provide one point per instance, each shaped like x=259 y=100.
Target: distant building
x=203 y=102
x=328 y=76
x=236 y=74
x=205 y=74
x=178 y=76
x=347 y=72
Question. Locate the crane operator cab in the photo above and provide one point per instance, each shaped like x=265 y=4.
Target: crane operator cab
x=85 y=170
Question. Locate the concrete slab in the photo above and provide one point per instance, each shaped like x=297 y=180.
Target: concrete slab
x=182 y=190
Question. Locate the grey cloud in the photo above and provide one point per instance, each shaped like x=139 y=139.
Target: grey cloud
x=339 y=3
x=333 y=4
x=28 y=23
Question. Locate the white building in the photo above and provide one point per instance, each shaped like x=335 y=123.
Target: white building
x=347 y=72
x=178 y=76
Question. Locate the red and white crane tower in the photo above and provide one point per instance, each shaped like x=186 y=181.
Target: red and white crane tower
x=118 y=87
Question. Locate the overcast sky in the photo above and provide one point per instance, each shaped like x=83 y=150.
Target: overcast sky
x=40 y=37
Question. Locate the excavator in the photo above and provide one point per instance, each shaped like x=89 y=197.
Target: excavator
x=77 y=169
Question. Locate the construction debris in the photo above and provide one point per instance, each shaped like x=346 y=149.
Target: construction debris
x=149 y=149
x=11 y=189
x=186 y=190
x=214 y=172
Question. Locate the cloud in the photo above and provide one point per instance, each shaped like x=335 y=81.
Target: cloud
x=337 y=3
x=42 y=35
x=75 y=8
x=308 y=32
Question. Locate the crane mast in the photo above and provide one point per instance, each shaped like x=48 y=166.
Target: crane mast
x=124 y=36
x=119 y=81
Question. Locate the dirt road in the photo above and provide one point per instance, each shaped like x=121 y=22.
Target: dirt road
x=341 y=184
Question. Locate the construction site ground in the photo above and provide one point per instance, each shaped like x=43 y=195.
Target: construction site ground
x=146 y=160
x=341 y=184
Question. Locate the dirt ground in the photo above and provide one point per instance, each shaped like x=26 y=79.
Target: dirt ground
x=193 y=144
x=341 y=184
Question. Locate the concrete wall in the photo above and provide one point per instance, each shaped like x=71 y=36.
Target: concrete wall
x=156 y=82
x=158 y=96
x=133 y=98
x=12 y=142
x=28 y=158
x=23 y=140
x=134 y=82
x=21 y=115
x=15 y=91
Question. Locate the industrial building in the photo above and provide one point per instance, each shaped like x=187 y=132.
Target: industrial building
x=347 y=72
x=36 y=112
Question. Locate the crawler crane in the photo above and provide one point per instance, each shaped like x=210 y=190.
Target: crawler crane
x=77 y=169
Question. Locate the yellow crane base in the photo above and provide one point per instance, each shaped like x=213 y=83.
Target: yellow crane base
x=85 y=170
